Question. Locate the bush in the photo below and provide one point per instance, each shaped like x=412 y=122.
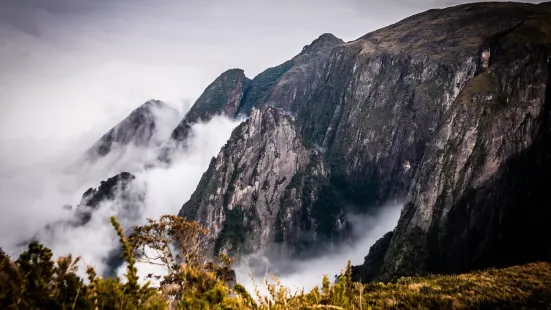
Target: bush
x=35 y=281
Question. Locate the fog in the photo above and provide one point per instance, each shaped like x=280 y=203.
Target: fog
x=308 y=273
x=33 y=196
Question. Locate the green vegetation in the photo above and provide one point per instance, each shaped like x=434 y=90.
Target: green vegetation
x=217 y=94
x=261 y=84
x=36 y=281
x=235 y=233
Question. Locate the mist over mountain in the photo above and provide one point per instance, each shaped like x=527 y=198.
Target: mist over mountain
x=421 y=147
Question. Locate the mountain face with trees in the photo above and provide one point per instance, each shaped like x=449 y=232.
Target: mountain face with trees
x=448 y=109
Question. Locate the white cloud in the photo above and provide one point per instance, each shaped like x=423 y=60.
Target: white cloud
x=308 y=273
x=33 y=196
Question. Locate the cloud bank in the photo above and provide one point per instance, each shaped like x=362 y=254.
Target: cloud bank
x=308 y=273
x=33 y=197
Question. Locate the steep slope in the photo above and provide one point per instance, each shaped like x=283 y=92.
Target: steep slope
x=251 y=184
x=385 y=94
x=146 y=126
x=292 y=83
x=480 y=198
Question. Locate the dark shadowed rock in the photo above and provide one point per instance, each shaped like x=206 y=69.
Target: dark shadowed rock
x=480 y=197
x=117 y=187
x=371 y=267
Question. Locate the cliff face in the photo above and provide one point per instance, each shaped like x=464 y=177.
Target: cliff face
x=232 y=93
x=240 y=196
x=384 y=95
x=448 y=106
x=480 y=198
x=292 y=83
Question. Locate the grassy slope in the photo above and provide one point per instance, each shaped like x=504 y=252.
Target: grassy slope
x=509 y=288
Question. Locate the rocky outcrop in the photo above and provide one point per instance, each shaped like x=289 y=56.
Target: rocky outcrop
x=252 y=184
x=146 y=126
x=119 y=187
x=232 y=93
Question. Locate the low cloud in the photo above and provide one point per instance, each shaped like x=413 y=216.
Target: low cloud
x=308 y=273
x=33 y=196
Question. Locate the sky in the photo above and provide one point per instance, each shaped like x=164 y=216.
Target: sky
x=72 y=69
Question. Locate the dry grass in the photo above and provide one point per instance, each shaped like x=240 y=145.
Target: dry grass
x=511 y=288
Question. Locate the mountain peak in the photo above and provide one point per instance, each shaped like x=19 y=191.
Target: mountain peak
x=140 y=128
x=323 y=42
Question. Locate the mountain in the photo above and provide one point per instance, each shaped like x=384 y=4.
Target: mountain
x=447 y=108
x=479 y=198
x=233 y=94
x=248 y=195
x=147 y=126
x=118 y=187
x=290 y=84
x=221 y=97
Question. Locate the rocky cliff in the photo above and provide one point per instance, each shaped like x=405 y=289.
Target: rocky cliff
x=447 y=105
x=479 y=198
x=251 y=185
x=292 y=83
x=232 y=94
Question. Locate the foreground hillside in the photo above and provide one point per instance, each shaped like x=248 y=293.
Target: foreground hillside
x=35 y=281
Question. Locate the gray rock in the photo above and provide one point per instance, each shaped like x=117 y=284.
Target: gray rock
x=239 y=197
x=144 y=127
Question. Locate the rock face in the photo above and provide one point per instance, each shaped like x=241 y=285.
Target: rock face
x=384 y=95
x=292 y=83
x=479 y=199
x=146 y=126
x=447 y=107
x=242 y=194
